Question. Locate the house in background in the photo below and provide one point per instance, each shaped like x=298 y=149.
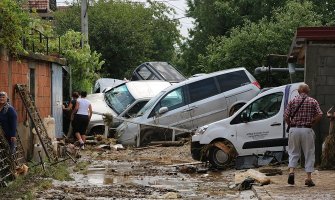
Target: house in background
x=44 y=8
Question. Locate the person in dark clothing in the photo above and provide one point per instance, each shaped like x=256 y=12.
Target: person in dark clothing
x=70 y=112
x=8 y=120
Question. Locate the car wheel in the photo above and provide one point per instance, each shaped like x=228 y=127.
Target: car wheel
x=218 y=158
x=234 y=109
x=98 y=130
x=146 y=137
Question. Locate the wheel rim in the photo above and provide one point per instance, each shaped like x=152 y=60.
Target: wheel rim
x=221 y=156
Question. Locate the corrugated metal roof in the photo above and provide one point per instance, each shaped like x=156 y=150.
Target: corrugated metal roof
x=326 y=35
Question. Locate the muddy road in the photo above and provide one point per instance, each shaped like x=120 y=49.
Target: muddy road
x=151 y=173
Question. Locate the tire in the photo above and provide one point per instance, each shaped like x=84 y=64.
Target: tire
x=218 y=158
x=97 y=130
x=146 y=137
x=235 y=108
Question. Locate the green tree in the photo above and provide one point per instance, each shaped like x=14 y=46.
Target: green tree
x=249 y=45
x=126 y=34
x=14 y=24
x=83 y=62
x=216 y=18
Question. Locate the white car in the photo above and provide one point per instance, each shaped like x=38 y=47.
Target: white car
x=124 y=100
x=257 y=127
x=189 y=105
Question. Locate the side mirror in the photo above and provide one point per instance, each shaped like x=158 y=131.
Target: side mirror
x=245 y=117
x=163 y=110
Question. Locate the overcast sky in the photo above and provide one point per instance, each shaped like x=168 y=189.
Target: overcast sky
x=179 y=5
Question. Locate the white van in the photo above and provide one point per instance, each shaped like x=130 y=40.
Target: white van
x=190 y=104
x=124 y=100
x=257 y=127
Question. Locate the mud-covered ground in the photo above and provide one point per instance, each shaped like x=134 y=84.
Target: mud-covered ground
x=150 y=173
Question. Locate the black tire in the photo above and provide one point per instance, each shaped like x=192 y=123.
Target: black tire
x=218 y=158
x=146 y=137
x=97 y=130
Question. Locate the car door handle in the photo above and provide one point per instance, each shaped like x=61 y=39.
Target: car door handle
x=188 y=109
x=191 y=108
x=275 y=124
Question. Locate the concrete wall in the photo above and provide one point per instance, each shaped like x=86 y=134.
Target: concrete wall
x=320 y=76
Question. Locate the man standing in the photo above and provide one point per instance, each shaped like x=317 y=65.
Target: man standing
x=302 y=113
x=8 y=120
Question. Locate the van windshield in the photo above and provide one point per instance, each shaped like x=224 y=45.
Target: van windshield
x=119 y=98
x=150 y=104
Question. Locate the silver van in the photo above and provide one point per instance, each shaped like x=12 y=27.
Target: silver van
x=124 y=100
x=191 y=104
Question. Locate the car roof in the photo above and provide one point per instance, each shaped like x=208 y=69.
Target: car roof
x=146 y=88
x=107 y=83
x=280 y=88
x=204 y=76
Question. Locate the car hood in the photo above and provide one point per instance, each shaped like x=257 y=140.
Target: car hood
x=99 y=105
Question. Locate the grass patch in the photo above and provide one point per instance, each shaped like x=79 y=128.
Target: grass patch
x=24 y=187
x=81 y=167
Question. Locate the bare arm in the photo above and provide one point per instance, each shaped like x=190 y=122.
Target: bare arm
x=316 y=119
x=90 y=111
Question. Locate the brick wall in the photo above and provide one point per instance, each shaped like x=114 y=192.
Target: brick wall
x=17 y=72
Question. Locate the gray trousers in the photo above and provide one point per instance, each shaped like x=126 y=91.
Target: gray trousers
x=301 y=139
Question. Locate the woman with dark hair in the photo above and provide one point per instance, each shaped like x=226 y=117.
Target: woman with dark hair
x=8 y=120
x=70 y=114
x=82 y=116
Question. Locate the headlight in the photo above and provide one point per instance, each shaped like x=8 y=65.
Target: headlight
x=201 y=130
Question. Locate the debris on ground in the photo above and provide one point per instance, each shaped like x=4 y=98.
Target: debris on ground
x=271 y=171
x=251 y=173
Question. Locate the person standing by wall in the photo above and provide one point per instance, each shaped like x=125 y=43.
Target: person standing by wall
x=70 y=112
x=82 y=116
x=302 y=113
x=8 y=120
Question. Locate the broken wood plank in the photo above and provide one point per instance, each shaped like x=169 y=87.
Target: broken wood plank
x=168 y=143
x=148 y=147
x=182 y=164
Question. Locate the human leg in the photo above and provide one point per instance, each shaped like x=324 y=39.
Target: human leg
x=294 y=152
x=308 y=148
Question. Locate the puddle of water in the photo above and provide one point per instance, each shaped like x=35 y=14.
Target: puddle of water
x=136 y=173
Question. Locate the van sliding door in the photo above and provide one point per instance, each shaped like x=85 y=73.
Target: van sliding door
x=207 y=104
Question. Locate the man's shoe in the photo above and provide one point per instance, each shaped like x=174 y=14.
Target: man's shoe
x=290 y=179
x=82 y=146
x=309 y=183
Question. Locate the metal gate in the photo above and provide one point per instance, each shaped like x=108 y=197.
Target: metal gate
x=57 y=98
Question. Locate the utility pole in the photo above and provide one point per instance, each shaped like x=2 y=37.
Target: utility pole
x=84 y=21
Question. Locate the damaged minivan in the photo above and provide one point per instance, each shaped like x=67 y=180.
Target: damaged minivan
x=257 y=127
x=190 y=104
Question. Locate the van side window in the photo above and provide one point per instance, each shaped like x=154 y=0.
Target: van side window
x=172 y=100
x=232 y=80
x=263 y=108
x=202 y=89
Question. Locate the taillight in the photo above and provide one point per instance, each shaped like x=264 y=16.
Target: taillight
x=256 y=84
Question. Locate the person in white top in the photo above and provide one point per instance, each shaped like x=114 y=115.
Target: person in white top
x=83 y=114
